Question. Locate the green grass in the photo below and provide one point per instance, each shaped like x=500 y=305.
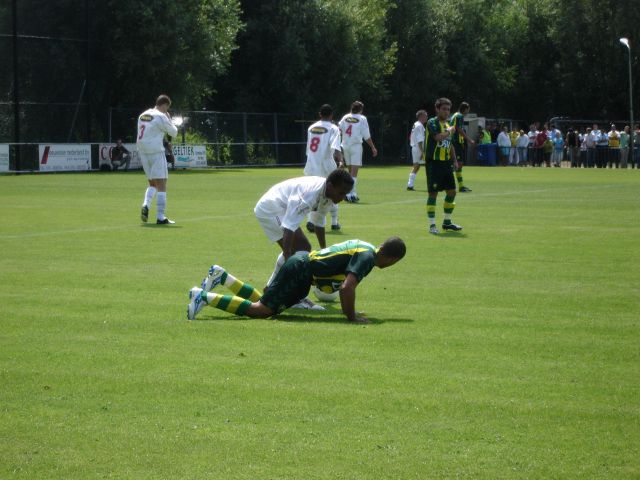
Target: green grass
x=508 y=351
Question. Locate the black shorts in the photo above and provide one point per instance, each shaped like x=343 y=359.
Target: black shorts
x=461 y=151
x=291 y=284
x=440 y=176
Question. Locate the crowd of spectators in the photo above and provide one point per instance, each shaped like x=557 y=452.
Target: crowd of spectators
x=589 y=147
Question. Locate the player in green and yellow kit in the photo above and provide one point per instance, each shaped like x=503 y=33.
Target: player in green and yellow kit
x=441 y=162
x=460 y=141
x=343 y=265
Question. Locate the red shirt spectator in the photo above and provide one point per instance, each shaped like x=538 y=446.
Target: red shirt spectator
x=541 y=137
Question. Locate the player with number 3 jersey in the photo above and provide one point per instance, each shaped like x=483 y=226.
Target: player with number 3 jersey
x=153 y=124
x=355 y=128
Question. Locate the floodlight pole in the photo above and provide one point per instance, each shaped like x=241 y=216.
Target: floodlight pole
x=625 y=41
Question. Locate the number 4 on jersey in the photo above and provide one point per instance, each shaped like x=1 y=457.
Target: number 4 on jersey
x=348 y=130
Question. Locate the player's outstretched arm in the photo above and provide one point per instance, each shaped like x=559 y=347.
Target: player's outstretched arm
x=348 y=300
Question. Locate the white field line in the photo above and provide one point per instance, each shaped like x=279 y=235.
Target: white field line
x=421 y=199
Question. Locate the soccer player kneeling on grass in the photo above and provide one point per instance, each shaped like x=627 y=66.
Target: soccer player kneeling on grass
x=441 y=162
x=345 y=265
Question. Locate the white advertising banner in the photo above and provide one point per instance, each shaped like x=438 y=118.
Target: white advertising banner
x=104 y=155
x=64 y=158
x=4 y=158
x=190 y=156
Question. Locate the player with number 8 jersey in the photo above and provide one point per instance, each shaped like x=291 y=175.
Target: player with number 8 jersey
x=323 y=154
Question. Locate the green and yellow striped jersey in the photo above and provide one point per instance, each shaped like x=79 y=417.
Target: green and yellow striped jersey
x=437 y=150
x=334 y=262
x=457 y=120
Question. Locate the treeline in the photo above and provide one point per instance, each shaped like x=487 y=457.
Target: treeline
x=522 y=59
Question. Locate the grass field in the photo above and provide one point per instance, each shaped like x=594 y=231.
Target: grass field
x=511 y=350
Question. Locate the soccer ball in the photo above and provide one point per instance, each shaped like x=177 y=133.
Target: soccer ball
x=323 y=296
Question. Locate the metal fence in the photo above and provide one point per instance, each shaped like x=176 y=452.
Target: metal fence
x=245 y=138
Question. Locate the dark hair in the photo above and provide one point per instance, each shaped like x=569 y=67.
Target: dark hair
x=163 y=100
x=340 y=177
x=357 y=106
x=393 y=247
x=442 y=101
x=464 y=107
x=326 y=110
x=420 y=112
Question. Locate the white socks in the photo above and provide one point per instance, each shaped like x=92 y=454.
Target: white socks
x=334 y=215
x=353 y=190
x=162 y=204
x=412 y=179
x=148 y=196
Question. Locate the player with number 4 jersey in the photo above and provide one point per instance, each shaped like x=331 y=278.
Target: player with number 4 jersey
x=323 y=154
x=355 y=128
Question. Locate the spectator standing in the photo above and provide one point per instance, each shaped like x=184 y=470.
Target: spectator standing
x=494 y=132
x=558 y=148
x=613 y=137
x=547 y=151
x=538 y=145
x=602 y=147
x=533 y=133
x=504 y=145
x=513 y=136
x=522 y=144
x=624 y=147
x=484 y=137
x=591 y=141
x=573 y=147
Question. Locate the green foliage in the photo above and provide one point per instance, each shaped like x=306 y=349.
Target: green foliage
x=509 y=351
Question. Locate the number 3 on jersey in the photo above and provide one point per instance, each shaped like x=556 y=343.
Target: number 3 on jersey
x=142 y=127
x=313 y=146
x=348 y=130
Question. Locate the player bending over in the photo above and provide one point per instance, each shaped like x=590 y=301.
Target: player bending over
x=345 y=263
x=285 y=205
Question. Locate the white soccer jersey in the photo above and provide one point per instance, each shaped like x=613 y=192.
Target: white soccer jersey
x=290 y=201
x=152 y=127
x=417 y=134
x=354 y=128
x=323 y=137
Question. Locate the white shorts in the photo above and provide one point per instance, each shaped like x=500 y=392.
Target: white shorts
x=416 y=156
x=353 y=154
x=154 y=165
x=271 y=227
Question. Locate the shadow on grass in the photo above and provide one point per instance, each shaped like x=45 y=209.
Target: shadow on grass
x=330 y=315
x=155 y=225
x=452 y=235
